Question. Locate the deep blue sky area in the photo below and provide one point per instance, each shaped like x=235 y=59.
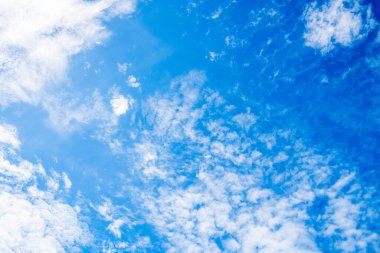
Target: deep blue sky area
x=190 y=126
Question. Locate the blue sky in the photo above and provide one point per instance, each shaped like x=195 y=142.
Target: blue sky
x=189 y=126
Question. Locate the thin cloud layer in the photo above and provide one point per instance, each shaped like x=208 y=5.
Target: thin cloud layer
x=37 y=39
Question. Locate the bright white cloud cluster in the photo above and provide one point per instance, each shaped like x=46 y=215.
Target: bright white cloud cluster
x=225 y=185
x=339 y=22
x=37 y=39
x=120 y=104
x=32 y=220
x=35 y=224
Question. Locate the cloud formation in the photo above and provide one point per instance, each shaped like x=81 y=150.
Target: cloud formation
x=37 y=39
x=338 y=22
x=223 y=184
x=120 y=104
x=31 y=219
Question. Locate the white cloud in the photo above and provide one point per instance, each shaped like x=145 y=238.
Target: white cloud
x=120 y=105
x=169 y=115
x=216 y=14
x=250 y=191
x=245 y=120
x=29 y=224
x=215 y=207
x=339 y=22
x=148 y=154
x=77 y=111
x=66 y=181
x=24 y=171
x=233 y=42
x=132 y=81
x=115 y=227
x=8 y=136
x=117 y=216
x=33 y=220
x=38 y=38
x=214 y=56
x=123 y=67
x=81 y=110
x=141 y=244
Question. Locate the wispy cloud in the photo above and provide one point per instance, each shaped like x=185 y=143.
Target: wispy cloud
x=38 y=38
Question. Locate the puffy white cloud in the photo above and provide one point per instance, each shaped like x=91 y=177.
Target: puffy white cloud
x=37 y=39
x=33 y=224
x=33 y=220
x=339 y=22
x=120 y=104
